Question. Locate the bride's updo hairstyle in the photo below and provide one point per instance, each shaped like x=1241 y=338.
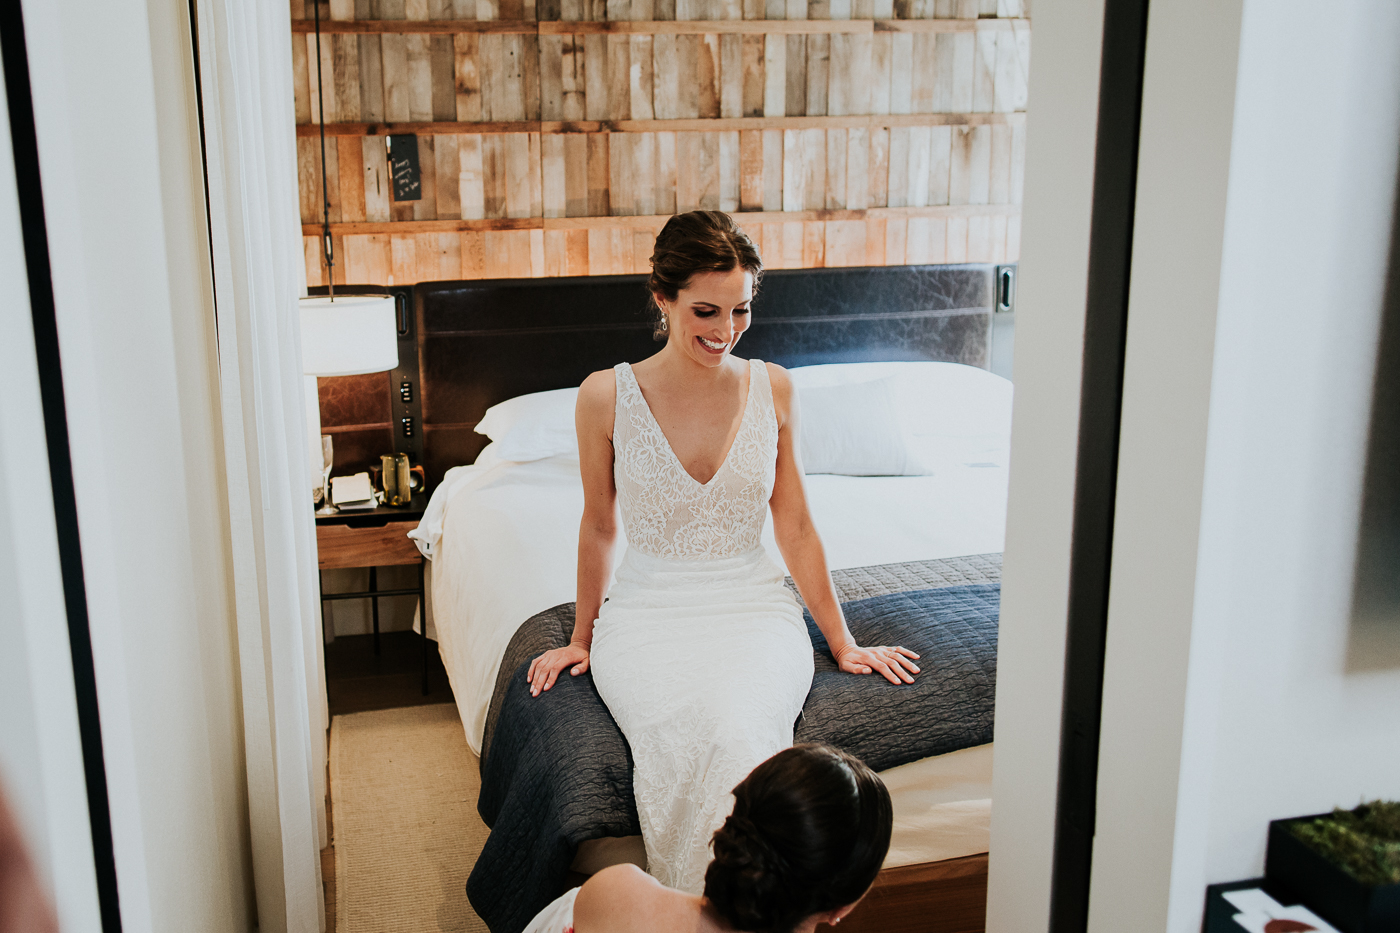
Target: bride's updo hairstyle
x=698 y=241
x=809 y=832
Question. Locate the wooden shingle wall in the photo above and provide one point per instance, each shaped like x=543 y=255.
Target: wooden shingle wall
x=556 y=136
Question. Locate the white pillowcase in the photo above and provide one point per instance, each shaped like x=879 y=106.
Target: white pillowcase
x=934 y=399
x=532 y=427
x=855 y=430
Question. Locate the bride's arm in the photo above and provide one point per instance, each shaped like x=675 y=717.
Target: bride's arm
x=597 y=533
x=802 y=549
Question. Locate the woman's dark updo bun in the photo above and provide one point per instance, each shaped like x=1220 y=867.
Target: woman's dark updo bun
x=698 y=241
x=809 y=832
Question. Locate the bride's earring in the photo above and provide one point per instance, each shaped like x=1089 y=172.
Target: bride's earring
x=665 y=323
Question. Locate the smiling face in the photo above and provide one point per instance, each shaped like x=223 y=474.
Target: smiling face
x=709 y=315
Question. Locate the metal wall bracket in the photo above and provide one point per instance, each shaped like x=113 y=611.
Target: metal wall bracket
x=405 y=389
x=1004 y=284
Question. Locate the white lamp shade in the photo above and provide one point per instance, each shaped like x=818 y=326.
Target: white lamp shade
x=350 y=335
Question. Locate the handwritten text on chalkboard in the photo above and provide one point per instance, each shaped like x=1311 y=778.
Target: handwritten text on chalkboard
x=403 y=167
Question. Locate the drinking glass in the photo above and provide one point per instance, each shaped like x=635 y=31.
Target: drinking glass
x=327 y=459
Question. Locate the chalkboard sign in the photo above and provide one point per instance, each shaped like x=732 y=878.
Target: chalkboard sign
x=403 y=167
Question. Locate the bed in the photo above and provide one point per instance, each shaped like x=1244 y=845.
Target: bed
x=500 y=531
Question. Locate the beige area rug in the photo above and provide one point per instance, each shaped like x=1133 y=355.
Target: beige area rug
x=404 y=786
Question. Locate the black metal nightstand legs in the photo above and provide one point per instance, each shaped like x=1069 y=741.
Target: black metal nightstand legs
x=374 y=604
x=369 y=540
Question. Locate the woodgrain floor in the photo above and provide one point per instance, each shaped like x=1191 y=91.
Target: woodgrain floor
x=358 y=680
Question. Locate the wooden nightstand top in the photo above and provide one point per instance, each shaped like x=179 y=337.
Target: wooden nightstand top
x=369 y=518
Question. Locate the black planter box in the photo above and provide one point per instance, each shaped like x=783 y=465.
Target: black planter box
x=1298 y=875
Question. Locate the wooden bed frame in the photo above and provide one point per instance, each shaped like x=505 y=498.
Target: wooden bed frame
x=933 y=897
x=481 y=342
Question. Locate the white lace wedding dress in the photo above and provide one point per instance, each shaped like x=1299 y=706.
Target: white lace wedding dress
x=700 y=651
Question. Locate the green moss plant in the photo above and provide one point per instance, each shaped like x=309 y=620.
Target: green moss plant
x=1365 y=842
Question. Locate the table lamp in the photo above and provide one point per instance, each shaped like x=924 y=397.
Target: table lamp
x=345 y=336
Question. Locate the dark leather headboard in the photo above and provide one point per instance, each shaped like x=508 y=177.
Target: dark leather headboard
x=481 y=342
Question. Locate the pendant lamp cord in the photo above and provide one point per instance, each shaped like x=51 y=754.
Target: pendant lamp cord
x=327 y=248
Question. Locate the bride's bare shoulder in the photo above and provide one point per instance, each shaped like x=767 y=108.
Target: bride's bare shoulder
x=622 y=899
x=597 y=401
x=599 y=390
x=781 y=381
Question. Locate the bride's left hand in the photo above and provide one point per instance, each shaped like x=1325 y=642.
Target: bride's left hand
x=895 y=663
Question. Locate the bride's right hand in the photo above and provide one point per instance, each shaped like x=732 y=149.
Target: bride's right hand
x=545 y=669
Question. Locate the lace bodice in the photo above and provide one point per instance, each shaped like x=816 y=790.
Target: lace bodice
x=668 y=513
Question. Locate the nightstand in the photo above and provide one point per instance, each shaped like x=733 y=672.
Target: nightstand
x=375 y=538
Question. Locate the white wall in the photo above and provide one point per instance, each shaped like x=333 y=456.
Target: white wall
x=1268 y=164
x=1183 y=165
x=1270 y=136
x=41 y=763
x=1060 y=134
x=114 y=99
x=1276 y=724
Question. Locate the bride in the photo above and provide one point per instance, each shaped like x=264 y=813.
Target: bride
x=700 y=651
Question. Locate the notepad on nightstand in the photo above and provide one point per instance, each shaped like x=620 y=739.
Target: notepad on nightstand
x=1260 y=913
x=352 y=492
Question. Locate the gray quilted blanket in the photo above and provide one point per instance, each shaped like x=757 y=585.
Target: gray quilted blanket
x=556 y=771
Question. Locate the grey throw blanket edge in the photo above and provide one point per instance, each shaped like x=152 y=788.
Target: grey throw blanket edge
x=851 y=583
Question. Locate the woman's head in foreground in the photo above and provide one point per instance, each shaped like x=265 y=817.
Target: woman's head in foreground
x=704 y=273
x=808 y=834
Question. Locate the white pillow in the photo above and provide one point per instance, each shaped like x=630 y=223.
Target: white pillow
x=532 y=427
x=855 y=430
x=934 y=399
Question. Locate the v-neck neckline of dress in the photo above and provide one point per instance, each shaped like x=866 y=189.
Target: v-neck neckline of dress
x=733 y=441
